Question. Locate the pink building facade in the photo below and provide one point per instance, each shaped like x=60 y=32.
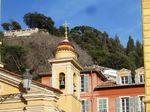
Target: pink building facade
x=98 y=94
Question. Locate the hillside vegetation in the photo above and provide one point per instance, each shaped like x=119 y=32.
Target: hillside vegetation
x=93 y=46
x=106 y=51
x=33 y=52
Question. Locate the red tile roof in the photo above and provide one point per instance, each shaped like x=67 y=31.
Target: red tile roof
x=107 y=85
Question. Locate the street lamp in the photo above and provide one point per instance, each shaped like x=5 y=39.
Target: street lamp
x=27 y=80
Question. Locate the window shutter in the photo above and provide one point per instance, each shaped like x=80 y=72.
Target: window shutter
x=136 y=102
x=100 y=105
x=117 y=104
x=131 y=104
x=130 y=79
x=86 y=105
x=89 y=105
x=85 y=82
x=136 y=79
x=118 y=79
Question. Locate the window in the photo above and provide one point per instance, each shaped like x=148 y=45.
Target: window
x=62 y=81
x=124 y=79
x=141 y=104
x=84 y=83
x=141 y=78
x=130 y=104
x=85 y=105
x=74 y=82
x=125 y=104
x=102 y=105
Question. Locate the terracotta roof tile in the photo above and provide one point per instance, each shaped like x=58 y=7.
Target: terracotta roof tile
x=108 y=85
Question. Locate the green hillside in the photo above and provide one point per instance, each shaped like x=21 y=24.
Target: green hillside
x=93 y=46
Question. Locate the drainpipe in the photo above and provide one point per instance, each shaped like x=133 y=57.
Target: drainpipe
x=91 y=92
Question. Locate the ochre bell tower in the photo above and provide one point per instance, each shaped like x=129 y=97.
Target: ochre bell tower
x=66 y=75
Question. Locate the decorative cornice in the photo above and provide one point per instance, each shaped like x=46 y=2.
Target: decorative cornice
x=72 y=60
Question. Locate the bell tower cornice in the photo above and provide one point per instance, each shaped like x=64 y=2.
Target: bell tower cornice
x=63 y=60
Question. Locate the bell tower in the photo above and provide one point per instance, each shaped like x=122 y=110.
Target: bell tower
x=66 y=75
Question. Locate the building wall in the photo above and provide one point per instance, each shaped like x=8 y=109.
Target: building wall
x=146 y=40
x=46 y=80
x=93 y=81
x=69 y=103
x=112 y=94
x=20 y=33
x=13 y=98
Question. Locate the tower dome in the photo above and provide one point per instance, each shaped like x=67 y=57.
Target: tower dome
x=65 y=49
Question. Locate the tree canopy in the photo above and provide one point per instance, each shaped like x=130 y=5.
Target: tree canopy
x=15 y=25
x=38 y=20
x=107 y=51
x=12 y=25
x=6 y=26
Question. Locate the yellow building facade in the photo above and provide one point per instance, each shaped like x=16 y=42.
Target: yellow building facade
x=146 y=42
x=13 y=98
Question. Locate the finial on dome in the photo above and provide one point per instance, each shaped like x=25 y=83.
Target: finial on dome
x=66 y=31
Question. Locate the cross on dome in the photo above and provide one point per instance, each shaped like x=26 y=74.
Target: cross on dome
x=66 y=32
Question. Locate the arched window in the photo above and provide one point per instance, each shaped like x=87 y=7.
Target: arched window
x=62 y=81
x=74 y=82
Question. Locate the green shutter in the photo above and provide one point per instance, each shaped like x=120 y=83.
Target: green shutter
x=117 y=104
x=130 y=79
x=131 y=104
x=86 y=105
x=85 y=82
x=136 y=102
x=100 y=105
x=136 y=79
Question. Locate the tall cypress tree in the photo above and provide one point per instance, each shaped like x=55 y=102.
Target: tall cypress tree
x=139 y=48
x=139 y=51
x=130 y=45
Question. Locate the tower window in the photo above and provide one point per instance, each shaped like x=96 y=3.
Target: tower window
x=62 y=81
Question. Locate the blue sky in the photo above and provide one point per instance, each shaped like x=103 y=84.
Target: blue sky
x=121 y=17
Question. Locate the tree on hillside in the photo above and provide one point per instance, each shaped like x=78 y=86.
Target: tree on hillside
x=13 y=58
x=139 y=48
x=1 y=35
x=139 y=51
x=118 y=60
x=115 y=45
x=15 y=25
x=105 y=40
x=6 y=26
x=130 y=45
x=38 y=20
